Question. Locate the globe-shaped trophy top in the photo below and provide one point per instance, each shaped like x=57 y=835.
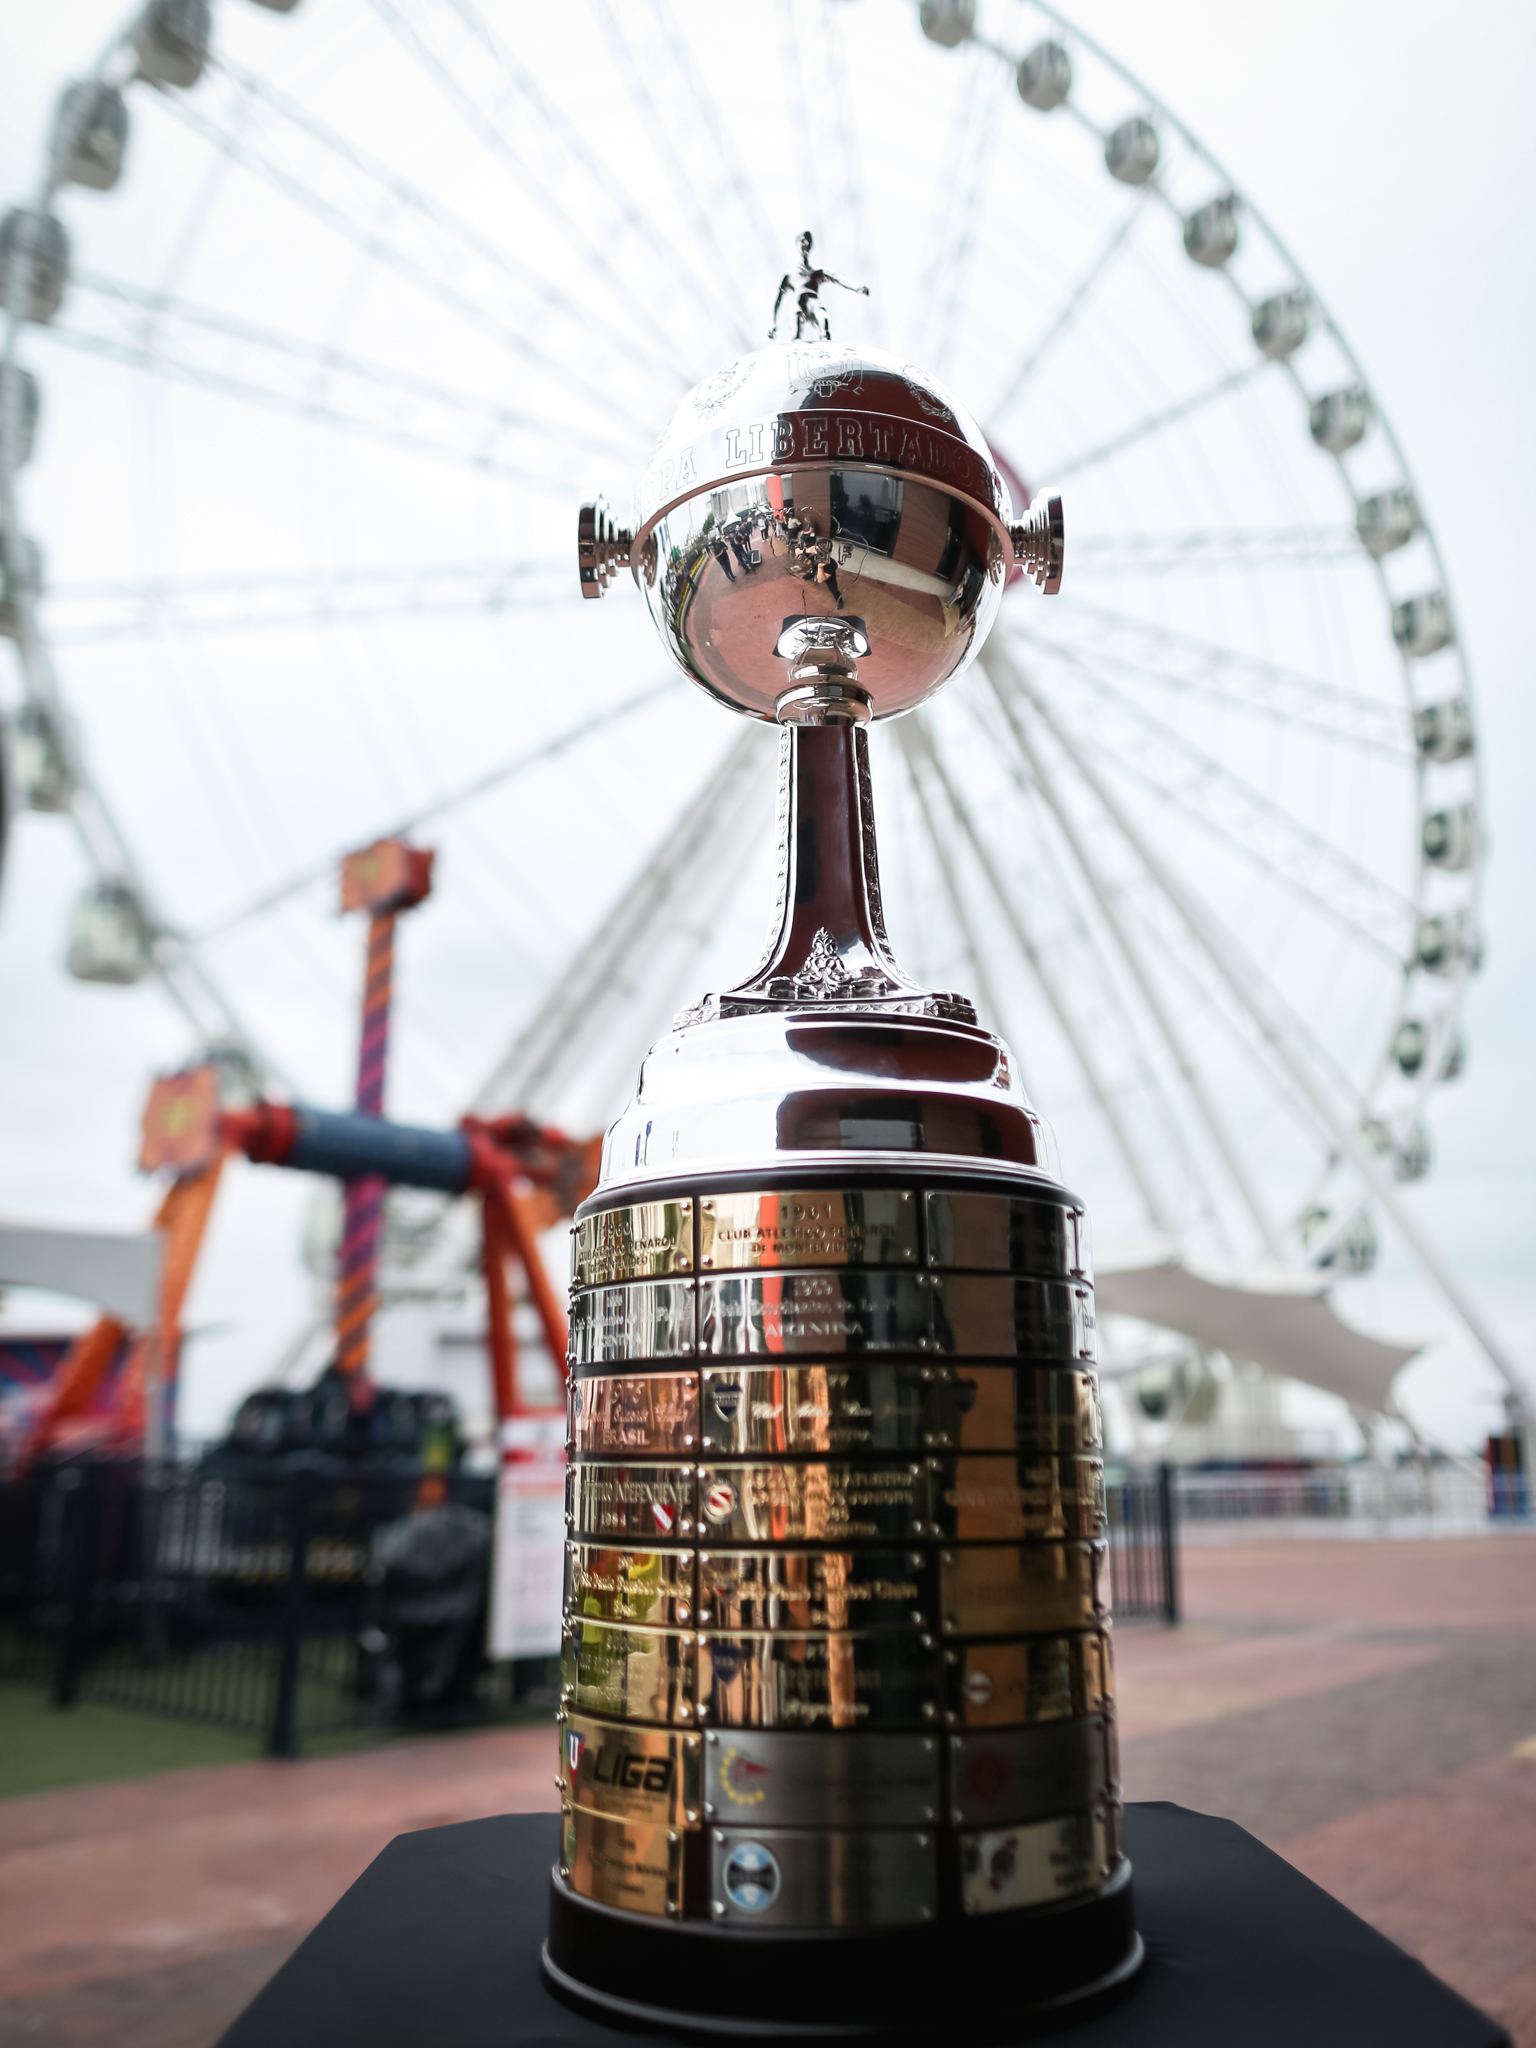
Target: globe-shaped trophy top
x=822 y=533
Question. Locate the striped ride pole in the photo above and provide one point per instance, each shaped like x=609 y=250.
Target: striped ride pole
x=356 y=1297
x=383 y=880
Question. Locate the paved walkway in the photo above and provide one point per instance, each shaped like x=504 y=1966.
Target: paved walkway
x=1369 y=1709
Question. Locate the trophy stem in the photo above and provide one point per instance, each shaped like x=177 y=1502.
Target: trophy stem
x=828 y=936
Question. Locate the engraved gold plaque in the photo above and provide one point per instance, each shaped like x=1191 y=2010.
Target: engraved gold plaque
x=628 y=1773
x=1000 y=1408
x=638 y=1320
x=635 y=1414
x=1001 y=1775
x=1012 y=1684
x=827 y=1878
x=1029 y=1864
x=999 y=1589
x=1006 y=1234
x=646 y=1241
x=881 y=1678
x=800 y=1590
x=980 y=1315
x=808 y=1227
x=624 y=1863
x=760 y=1777
x=800 y=1408
x=997 y=1499
x=804 y=1503
x=635 y=1586
x=632 y=1674
x=631 y=1501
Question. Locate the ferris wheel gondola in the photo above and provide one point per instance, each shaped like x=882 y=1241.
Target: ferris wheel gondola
x=1221 y=829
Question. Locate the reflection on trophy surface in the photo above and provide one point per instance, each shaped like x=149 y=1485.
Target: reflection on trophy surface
x=837 y=1652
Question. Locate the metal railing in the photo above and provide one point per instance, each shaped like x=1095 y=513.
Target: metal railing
x=1143 y=1545
x=242 y=1602
x=1358 y=1499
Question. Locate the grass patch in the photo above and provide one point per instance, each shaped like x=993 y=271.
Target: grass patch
x=44 y=1748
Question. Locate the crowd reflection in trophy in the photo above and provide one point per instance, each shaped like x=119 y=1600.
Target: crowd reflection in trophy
x=761 y=537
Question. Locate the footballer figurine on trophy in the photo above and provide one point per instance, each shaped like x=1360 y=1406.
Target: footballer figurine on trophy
x=837 y=1748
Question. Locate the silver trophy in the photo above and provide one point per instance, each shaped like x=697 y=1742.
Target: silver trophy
x=837 y=1734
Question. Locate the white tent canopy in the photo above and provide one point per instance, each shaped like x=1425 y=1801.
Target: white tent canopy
x=1283 y=1322
x=118 y=1270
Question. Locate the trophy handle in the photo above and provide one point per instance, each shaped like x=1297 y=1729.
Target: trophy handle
x=602 y=547
x=1039 y=540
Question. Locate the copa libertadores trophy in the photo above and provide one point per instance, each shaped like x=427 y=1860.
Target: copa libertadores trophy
x=837 y=1745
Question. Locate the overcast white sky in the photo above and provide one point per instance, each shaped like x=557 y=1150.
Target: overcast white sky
x=1392 y=147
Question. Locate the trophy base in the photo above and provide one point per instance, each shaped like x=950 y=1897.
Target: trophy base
x=1007 y=1973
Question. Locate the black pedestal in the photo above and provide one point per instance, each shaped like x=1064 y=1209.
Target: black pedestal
x=437 y=1946
x=836 y=1984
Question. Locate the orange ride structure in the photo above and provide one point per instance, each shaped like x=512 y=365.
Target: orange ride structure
x=526 y=1175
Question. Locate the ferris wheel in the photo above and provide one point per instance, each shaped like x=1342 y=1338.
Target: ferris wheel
x=341 y=308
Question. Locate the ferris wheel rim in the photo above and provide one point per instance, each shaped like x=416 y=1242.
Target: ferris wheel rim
x=1381 y=422
x=1447 y=1012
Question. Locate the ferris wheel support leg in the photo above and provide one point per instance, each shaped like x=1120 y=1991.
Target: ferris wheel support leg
x=1245 y=983
x=1221 y=1137
x=913 y=734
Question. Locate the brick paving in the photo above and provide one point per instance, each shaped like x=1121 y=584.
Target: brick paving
x=1363 y=1708
x=1369 y=1709
x=147 y=1914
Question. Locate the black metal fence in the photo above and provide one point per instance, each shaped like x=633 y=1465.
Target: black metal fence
x=1143 y=1545
x=286 y=1606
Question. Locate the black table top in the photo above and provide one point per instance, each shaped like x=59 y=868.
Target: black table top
x=438 y=1943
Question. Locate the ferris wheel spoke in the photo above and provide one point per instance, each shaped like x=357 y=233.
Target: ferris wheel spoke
x=804 y=153
x=309 y=164
x=422 y=31
x=182 y=976
x=154 y=607
x=684 y=188
x=918 y=748
x=916 y=753
x=1079 y=937
x=1300 y=1058
x=1109 y=978
x=443 y=805
x=680 y=258
x=737 y=177
x=1134 y=960
x=238 y=360
x=1070 y=309
x=558 y=1031
x=1254 y=549
x=973 y=138
x=855 y=195
x=1060 y=469
x=1249 y=823
x=1191 y=913
x=1262 y=689
x=950 y=266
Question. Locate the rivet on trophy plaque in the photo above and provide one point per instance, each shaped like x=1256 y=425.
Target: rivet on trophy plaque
x=837 y=1747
